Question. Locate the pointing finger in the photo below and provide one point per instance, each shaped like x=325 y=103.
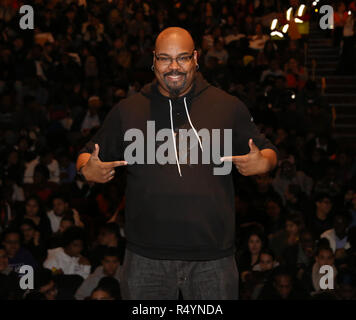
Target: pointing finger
x=114 y=164
x=235 y=159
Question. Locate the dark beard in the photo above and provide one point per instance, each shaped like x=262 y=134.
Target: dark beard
x=174 y=92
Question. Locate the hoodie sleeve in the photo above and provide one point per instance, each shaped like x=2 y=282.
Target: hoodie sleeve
x=246 y=129
x=109 y=138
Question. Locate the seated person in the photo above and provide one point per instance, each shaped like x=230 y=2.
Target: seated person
x=56 y=239
x=45 y=284
x=282 y=287
x=283 y=239
x=107 y=289
x=337 y=236
x=324 y=256
x=258 y=40
x=32 y=240
x=17 y=255
x=300 y=257
x=110 y=267
x=262 y=272
x=68 y=259
x=109 y=236
x=9 y=281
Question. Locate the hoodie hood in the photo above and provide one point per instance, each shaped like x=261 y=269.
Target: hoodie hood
x=199 y=85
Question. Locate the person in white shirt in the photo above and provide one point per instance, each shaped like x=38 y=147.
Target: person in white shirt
x=46 y=158
x=68 y=259
x=60 y=207
x=337 y=236
x=257 y=41
x=234 y=35
x=91 y=119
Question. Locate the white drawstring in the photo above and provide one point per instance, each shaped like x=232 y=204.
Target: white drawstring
x=174 y=139
x=195 y=131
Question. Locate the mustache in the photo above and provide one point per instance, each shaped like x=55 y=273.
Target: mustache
x=174 y=73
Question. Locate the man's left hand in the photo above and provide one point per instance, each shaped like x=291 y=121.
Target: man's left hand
x=252 y=163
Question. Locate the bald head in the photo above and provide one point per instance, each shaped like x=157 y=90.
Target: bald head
x=175 y=61
x=174 y=36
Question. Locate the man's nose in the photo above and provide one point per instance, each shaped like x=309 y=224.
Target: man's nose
x=174 y=65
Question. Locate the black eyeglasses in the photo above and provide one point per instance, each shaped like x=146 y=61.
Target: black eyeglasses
x=182 y=60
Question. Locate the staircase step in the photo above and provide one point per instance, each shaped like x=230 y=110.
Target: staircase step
x=320 y=43
x=337 y=97
x=322 y=63
x=344 y=137
x=324 y=49
x=334 y=79
x=340 y=85
x=342 y=120
x=321 y=68
x=332 y=89
x=325 y=57
x=345 y=126
x=325 y=72
x=350 y=130
x=344 y=109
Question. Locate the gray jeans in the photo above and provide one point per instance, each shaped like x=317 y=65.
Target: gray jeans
x=150 y=279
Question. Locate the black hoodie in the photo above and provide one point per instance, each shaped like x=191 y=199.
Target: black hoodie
x=171 y=216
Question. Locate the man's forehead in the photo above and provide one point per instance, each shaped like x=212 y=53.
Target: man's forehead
x=174 y=48
x=174 y=40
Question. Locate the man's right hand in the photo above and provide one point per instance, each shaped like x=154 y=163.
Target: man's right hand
x=96 y=170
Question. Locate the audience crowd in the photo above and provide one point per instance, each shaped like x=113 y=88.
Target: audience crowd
x=58 y=82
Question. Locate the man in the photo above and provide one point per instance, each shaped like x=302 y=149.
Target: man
x=60 y=206
x=68 y=260
x=282 y=287
x=17 y=255
x=60 y=210
x=179 y=217
x=337 y=236
x=109 y=268
x=321 y=219
x=90 y=119
x=108 y=237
